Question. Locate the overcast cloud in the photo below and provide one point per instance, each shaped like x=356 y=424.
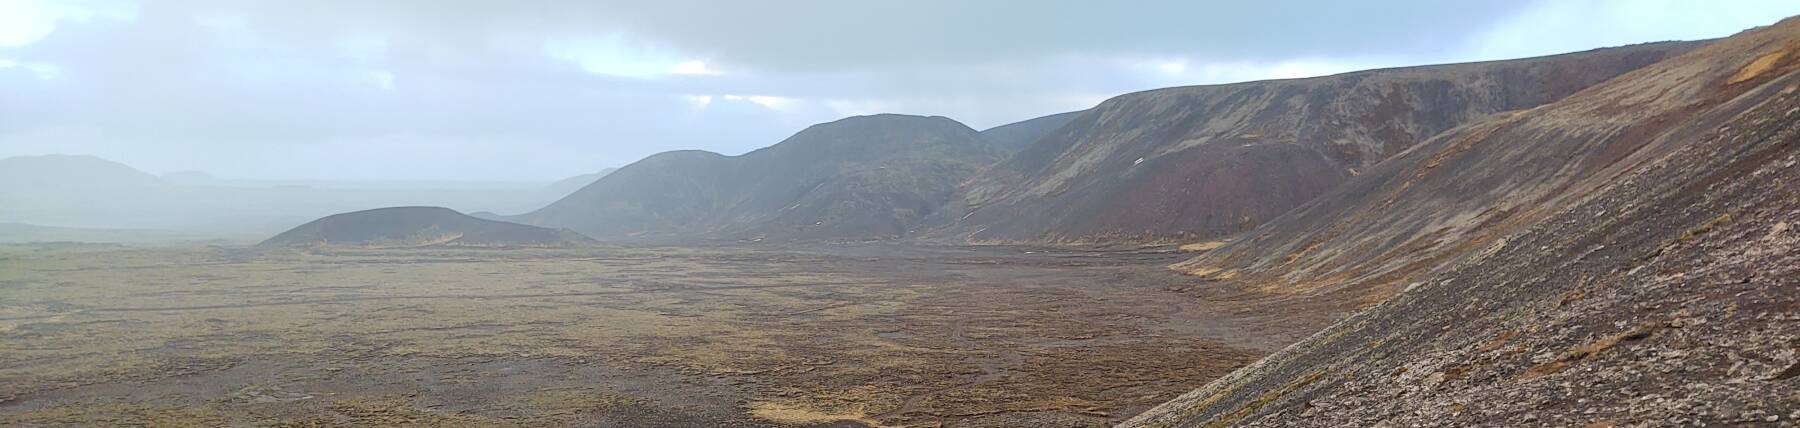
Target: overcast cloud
x=538 y=90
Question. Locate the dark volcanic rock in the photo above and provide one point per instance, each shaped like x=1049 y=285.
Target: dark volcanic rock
x=1208 y=161
x=861 y=177
x=1626 y=256
x=419 y=226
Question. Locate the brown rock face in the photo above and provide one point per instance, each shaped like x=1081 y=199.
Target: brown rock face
x=1623 y=256
x=1208 y=161
x=857 y=178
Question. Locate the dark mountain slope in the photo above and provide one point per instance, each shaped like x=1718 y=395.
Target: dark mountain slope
x=1017 y=135
x=417 y=226
x=1206 y=161
x=861 y=177
x=1624 y=256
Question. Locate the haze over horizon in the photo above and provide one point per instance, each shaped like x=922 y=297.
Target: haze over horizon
x=419 y=90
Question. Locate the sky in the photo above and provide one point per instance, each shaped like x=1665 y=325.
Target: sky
x=540 y=90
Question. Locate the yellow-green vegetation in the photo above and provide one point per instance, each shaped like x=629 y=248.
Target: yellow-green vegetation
x=1201 y=247
x=470 y=336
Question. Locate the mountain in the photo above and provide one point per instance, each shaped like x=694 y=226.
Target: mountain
x=1625 y=256
x=856 y=178
x=419 y=226
x=569 y=185
x=87 y=192
x=1015 y=136
x=80 y=191
x=1203 y=162
x=190 y=178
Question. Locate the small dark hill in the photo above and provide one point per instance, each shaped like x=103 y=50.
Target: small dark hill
x=1016 y=136
x=857 y=178
x=1201 y=162
x=419 y=226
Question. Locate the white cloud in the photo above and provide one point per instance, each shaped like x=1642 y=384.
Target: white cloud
x=1552 y=27
x=42 y=70
x=364 y=47
x=698 y=100
x=23 y=22
x=1189 y=72
x=222 y=21
x=383 y=79
x=858 y=107
x=620 y=56
x=694 y=68
x=771 y=102
x=1175 y=67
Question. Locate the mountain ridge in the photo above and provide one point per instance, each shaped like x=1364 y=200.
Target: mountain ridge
x=862 y=177
x=1204 y=162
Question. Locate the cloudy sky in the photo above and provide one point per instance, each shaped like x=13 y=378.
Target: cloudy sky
x=538 y=90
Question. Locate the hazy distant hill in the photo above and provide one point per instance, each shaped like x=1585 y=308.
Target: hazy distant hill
x=1207 y=161
x=569 y=185
x=1018 y=135
x=859 y=177
x=20 y=232
x=93 y=193
x=419 y=226
x=1553 y=266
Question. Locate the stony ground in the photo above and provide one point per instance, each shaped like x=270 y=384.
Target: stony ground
x=701 y=336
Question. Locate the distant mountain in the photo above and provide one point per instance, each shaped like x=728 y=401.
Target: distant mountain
x=569 y=185
x=419 y=226
x=1201 y=162
x=1017 y=135
x=81 y=191
x=55 y=173
x=860 y=177
x=190 y=178
x=1548 y=266
x=20 y=232
x=87 y=192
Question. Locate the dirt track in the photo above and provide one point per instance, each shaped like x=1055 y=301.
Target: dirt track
x=875 y=334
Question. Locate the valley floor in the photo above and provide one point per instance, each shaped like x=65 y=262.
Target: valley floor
x=840 y=335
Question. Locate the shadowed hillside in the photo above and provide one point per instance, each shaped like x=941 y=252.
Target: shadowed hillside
x=419 y=226
x=860 y=177
x=1553 y=266
x=1208 y=161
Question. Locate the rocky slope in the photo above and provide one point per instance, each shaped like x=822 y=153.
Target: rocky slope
x=861 y=177
x=1625 y=256
x=419 y=226
x=1207 y=161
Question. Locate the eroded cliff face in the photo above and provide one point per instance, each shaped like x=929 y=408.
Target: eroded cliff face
x=1627 y=255
x=1201 y=162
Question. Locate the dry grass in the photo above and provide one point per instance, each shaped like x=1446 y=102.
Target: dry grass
x=1201 y=247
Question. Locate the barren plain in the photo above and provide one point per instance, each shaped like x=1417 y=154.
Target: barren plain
x=819 y=335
